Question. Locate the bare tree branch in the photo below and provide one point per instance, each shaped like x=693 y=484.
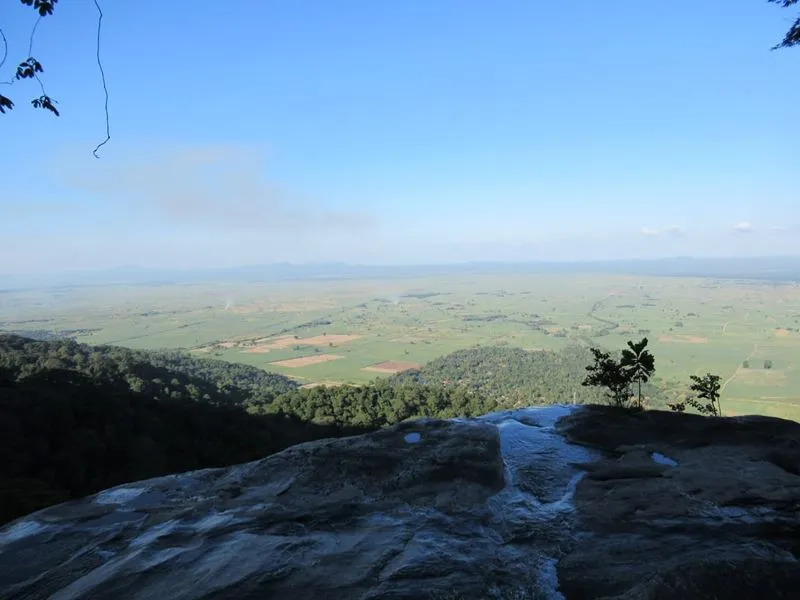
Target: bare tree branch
x=5 y=48
x=33 y=34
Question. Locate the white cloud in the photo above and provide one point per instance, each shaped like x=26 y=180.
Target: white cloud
x=743 y=227
x=649 y=231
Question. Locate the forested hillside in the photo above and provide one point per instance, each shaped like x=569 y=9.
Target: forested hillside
x=167 y=374
x=513 y=376
x=64 y=435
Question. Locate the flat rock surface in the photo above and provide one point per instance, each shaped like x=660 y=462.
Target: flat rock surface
x=520 y=504
x=682 y=506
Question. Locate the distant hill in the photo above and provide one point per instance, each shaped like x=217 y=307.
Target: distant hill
x=160 y=374
x=774 y=268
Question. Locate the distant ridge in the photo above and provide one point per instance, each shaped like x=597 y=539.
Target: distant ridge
x=780 y=268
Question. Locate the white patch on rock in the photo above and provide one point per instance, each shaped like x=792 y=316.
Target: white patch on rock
x=214 y=520
x=750 y=516
x=20 y=530
x=118 y=495
x=663 y=460
x=152 y=534
x=412 y=438
x=161 y=556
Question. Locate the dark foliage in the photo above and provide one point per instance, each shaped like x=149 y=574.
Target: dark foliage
x=43 y=7
x=792 y=37
x=707 y=389
x=638 y=364
x=610 y=374
x=47 y=103
x=379 y=404
x=64 y=435
x=169 y=374
x=28 y=69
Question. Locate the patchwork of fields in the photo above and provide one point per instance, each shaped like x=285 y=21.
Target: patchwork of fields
x=351 y=331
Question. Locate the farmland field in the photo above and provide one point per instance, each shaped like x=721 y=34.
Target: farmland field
x=352 y=331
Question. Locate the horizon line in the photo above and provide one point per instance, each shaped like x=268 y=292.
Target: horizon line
x=245 y=266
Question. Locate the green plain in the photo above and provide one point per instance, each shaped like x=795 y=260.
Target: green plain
x=694 y=325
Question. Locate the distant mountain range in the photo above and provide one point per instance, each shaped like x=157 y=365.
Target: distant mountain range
x=783 y=268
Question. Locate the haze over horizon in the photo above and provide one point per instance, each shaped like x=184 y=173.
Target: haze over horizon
x=401 y=133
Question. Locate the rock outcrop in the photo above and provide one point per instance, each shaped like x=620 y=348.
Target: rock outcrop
x=683 y=506
x=600 y=503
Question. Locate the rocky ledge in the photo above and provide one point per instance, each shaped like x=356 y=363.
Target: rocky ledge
x=556 y=502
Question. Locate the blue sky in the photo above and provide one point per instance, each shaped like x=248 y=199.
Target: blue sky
x=401 y=131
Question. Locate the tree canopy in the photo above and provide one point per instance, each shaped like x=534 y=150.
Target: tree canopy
x=512 y=376
x=160 y=374
x=639 y=364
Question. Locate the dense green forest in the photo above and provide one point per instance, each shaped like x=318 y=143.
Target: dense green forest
x=379 y=404
x=162 y=374
x=513 y=376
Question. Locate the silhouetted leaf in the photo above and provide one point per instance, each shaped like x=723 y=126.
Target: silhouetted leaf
x=46 y=103
x=5 y=103
x=792 y=36
x=27 y=69
x=707 y=388
x=44 y=7
x=610 y=374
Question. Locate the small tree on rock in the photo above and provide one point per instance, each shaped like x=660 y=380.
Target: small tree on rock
x=707 y=388
x=639 y=364
x=610 y=374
